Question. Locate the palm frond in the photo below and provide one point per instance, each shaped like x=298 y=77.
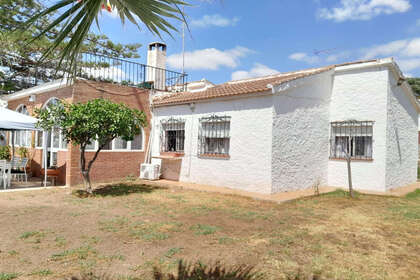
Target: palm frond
x=76 y=18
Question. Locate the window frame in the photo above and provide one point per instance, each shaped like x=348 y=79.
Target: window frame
x=352 y=131
x=27 y=133
x=172 y=124
x=225 y=132
x=113 y=149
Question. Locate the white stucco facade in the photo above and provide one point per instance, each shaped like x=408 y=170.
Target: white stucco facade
x=402 y=146
x=249 y=165
x=300 y=133
x=280 y=138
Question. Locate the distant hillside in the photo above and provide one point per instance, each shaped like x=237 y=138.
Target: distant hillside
x=415 y=85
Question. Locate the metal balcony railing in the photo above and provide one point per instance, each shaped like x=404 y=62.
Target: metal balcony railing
x=93 y=67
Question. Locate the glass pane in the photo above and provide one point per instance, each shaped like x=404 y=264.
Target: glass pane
x=63 y=142
x=39 y=136
x=107 y=146
x=49 y=139
x=54 y=159
x=17 y=138
x=91 y=146
x=120 y=144
x=137 y=143
x=56 y=138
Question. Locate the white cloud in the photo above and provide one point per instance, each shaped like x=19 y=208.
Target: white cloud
x=304 y=57
x=209 y=59
x=258 y=70
x=401 y=48
x=409 y=64
x=214 y=20
x=363 y=9
x=384 y=49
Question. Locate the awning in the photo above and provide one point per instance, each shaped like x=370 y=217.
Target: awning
x=11 y=120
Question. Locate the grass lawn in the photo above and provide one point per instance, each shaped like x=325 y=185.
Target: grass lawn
x=127 y=229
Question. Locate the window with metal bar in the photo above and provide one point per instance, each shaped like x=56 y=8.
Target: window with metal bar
x=353 y=138
x=214 y=136
x=172 y=135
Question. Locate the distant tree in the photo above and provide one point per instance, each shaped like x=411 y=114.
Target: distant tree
x=74 y=19
x=415 y=85
x=98 y=119
x=17 y=55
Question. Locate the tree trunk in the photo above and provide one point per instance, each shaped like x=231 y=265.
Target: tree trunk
x=85 y=172
x=86 y=181
x=348 y=159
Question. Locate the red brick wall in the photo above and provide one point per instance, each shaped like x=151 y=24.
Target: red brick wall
x=36 y=154
x=109 y=165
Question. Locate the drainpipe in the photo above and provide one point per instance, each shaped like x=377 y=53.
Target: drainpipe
x=148 y=158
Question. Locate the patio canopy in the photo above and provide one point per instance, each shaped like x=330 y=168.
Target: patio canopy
x=11 y=120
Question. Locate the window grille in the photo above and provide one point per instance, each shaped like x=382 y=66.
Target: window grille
x=172 y=135
x=352 y=137
x=214 y=136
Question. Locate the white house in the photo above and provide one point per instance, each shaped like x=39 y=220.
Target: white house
x=289 y=131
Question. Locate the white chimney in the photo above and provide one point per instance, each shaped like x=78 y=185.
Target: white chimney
x=156 y=58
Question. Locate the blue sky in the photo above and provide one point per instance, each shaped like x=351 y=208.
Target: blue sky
x=234 y=39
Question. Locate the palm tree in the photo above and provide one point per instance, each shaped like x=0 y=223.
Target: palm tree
x=75 y=17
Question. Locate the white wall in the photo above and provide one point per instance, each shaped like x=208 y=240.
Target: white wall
x=301 y=134
x=249 y=166
x=361 y=95
x=402 y=138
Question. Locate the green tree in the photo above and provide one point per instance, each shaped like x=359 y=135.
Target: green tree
x=98 y=119
x=415 y=85
x=76 y=17
x=17 y=55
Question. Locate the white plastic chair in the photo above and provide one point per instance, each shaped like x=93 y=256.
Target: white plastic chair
x=5 y=172
x=19 y=168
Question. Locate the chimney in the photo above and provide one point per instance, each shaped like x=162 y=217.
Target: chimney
x=156 y=62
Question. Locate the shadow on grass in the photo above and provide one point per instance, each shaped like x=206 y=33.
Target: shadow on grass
x=340 y=193
x=117 y=190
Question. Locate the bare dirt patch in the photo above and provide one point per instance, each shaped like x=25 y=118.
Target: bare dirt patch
x=126 y=229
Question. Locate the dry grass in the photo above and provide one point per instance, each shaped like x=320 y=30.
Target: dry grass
x=125 y=230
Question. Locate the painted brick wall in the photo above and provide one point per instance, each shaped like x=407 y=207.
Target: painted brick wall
x=402 y=134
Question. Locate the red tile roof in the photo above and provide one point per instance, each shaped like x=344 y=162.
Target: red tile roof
x=247 y=86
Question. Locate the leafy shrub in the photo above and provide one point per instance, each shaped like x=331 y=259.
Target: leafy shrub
x=5 y=152
x=23 y=152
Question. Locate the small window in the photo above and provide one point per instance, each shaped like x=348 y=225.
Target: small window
x=120 y=144
x=91 y=146
x=214 y=136
x=172 y=135
x=352 y=138
x=137 y=143
x=23 y=137
x=108 y=146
